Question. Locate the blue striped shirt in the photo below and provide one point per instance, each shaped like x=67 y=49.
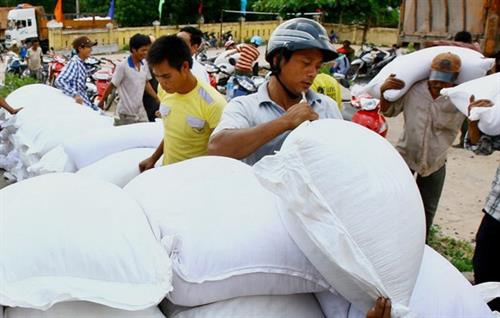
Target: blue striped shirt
x=73 y=78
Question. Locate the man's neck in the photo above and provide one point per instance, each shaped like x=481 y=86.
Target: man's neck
x=189 y=84
x=136 y=61
x=278 y=94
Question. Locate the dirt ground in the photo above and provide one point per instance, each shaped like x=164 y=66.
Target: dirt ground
x=467 y=184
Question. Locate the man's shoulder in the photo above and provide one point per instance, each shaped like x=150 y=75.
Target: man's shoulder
x=326 y=107
x=209 y=95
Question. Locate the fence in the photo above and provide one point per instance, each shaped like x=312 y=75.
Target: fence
x=61 y=39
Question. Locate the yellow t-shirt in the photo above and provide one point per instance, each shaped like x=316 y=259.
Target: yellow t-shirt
x=327 y=85
x=188 y=121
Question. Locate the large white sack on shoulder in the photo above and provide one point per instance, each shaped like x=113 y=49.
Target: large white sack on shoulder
x=352 y=206
x=223 y=232
x=118 y=168
x=55 y=160
x=288 y=306
x=82 y=309
x=416 y=66
x=89 y=148
x=81 y=239
x=442 y=291
x=487 y=87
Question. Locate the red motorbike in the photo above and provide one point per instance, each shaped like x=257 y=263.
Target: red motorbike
x=55 y=67
x=102 y=78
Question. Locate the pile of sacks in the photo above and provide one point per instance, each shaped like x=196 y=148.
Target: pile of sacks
x=318 y=230
x=54 y=134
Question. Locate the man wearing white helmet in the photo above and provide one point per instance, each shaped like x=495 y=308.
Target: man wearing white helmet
x=256 y=125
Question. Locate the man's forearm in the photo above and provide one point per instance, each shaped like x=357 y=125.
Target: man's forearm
x=240 y=143
x=151 y=92
x=158 y=152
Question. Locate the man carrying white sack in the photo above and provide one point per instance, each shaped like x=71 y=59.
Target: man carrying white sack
x=431 y=125
x=256 y=125
x=486 y=259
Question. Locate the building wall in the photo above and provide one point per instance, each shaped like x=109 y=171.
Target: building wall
x=61 y=39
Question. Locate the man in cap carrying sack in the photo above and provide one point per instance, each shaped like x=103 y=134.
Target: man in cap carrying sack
x=73 y=78
x=256 y=125
x=431 y=125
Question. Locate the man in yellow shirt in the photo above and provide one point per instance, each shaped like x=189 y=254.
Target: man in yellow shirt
x=190 y=109
x=327 y=85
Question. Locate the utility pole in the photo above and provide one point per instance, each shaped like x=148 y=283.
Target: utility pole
x=77 y=5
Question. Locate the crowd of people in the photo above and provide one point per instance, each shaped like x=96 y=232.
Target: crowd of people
x=161 y=77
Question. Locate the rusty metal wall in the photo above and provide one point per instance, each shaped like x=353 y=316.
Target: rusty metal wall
x=442 y=18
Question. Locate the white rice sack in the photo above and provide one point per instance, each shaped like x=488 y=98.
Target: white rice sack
x=222 y=231
x=66 y=237
x=39 y=131
x=440 y=291
x=39 y=96
x=289 y=306
x=89 y=148
x=118 y=168
x=81 y=309
x=53 y=161
x=416 y=66
x=355 y=212
x=487 y=87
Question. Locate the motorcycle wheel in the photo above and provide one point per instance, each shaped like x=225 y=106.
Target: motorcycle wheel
x=352 y=72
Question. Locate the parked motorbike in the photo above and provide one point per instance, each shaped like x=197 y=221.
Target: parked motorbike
x=102 y=78
x=55 y=67
x=368 y=114
x=15 y=65
x=369 y=62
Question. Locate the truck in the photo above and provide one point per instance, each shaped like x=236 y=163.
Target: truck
x=422 y=21
x=26 y=22
x=4 y=11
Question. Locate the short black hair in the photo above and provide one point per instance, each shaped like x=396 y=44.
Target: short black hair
x=196 y=34
x=463 y=36
x=138 y=40
x=172 y=49
x=283 y=54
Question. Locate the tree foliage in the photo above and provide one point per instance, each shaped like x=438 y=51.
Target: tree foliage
x=144 y=12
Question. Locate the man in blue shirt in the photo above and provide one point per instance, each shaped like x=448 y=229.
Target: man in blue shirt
x=73 y=78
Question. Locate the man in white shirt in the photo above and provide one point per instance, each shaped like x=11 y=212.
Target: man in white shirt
x=193 y=38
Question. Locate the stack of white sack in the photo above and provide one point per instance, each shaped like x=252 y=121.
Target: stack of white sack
x=86 y=151
x=352 y=206
x=482 y=88
x=440 y=291
x=70 y=238
x=416 y=66
x=222 y=231
x=119 y=168
x=284 y=306
x=48 y=119
x=82 y=309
